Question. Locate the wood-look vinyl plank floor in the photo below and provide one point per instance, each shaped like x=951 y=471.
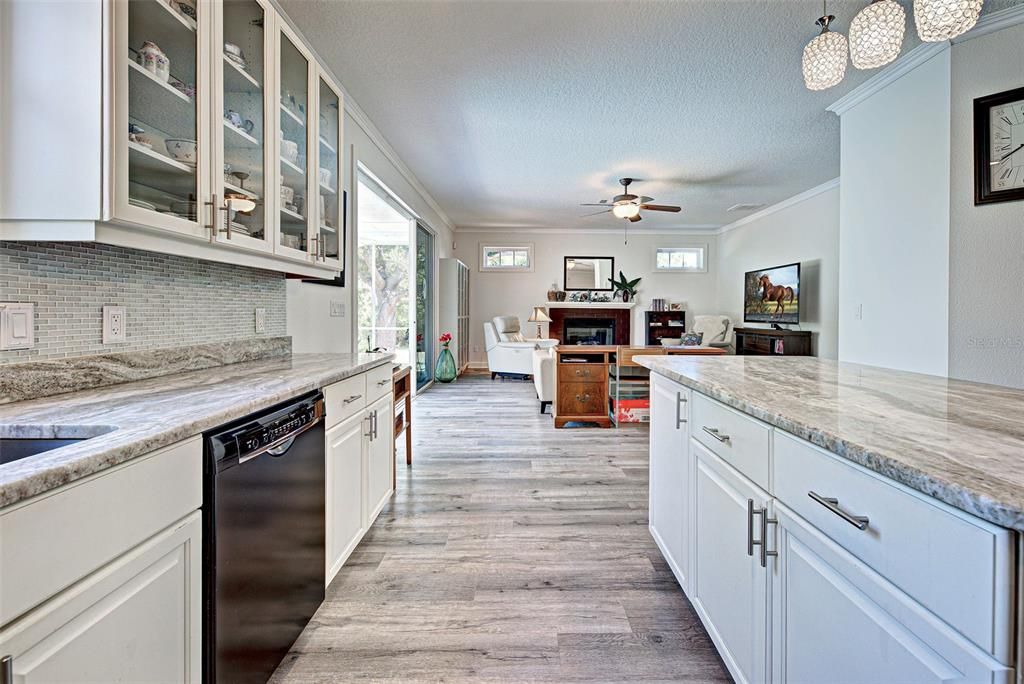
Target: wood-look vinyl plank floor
x=511 y=552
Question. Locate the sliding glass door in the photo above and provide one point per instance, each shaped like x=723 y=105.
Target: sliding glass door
x=425 y=332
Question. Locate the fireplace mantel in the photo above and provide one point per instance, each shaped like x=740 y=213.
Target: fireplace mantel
x=589 y=305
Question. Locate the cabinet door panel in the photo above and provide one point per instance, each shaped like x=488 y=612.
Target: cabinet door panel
x=330 y=174
x=670 y=475
x=344 y=491
x=835 y=620
x=136 y=620
x=380 y=459
x=728 y=588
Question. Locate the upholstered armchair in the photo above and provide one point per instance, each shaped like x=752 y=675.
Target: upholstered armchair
x=544 y=375
x=508 y=352
x=717 y=330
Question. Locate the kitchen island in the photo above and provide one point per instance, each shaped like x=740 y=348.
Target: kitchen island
x=835 y=521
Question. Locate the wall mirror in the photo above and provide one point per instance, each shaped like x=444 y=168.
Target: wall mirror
x=588 y=273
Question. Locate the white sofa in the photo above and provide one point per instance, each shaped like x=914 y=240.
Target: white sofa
x=544 y=375
x=508 y=352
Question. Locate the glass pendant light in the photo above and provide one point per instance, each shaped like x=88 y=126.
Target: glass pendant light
x=944 y=19
x=825 y=56
x=876 y=34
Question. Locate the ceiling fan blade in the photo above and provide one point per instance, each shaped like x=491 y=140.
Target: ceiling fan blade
x=606 y=211
x=660 y=207
x=634 y=219
x=643 y=198
x=602 y=203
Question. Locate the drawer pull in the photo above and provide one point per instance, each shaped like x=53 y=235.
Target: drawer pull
x=585 y=397
x=680 y=400
x=832 y=504
x=385 y=381
x=716 y=434
x=584 y=371
x=349 y=400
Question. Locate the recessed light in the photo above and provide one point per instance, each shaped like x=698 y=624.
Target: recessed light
x=744 y=207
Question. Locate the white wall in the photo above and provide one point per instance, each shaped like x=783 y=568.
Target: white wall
x=493 y=294
x=309 y=321
x=805 y=230
x=986 y=279
x=894 y=224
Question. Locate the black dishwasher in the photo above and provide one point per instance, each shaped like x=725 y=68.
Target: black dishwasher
x=264 y=550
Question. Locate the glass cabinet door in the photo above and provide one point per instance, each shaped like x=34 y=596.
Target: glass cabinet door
x=330 y=182
x=297 y=191
x=160 y=146
x=243 y=217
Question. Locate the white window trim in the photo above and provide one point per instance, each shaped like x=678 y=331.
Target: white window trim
x=485 y=246
x=704 y=259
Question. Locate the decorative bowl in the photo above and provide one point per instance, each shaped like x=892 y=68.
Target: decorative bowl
x=671 y=341
x=182 y=150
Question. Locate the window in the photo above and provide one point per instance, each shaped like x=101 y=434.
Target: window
x=680 y=259
x=510 y=258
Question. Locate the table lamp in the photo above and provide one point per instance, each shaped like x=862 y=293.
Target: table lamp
x=539 y=316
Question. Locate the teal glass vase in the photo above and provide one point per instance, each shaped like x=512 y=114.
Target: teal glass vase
x=444 y=371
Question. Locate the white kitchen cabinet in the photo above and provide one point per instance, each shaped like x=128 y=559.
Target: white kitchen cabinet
x=835 y=620
x=379 y=449
x=729 y=588
x=670 y=475
x=329 y=241
x=345 y=475
x=166 y=125
x=137 y=619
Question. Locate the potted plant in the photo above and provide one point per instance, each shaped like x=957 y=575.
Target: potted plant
x=626 y=287
x=444 y=370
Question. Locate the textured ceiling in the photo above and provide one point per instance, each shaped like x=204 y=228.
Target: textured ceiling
x=511 y=114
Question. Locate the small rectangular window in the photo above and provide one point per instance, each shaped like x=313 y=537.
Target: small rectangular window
x=508 y=258
x=681 y=259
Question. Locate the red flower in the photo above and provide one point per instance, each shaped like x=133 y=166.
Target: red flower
x=445 y=338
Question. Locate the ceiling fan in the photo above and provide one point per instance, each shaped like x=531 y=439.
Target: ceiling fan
x=627 y=206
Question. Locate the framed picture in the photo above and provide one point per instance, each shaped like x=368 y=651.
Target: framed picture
x=999 y=147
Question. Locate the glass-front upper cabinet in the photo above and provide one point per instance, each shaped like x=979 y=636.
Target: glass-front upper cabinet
x=330 y=179
x=297 y=188
x=243 y=215
x=161 y=145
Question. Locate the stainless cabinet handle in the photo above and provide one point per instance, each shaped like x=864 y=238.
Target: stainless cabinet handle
x=375 y=425
x=369 y=419
x=751 y=512
x=314 y=247
x=716 y=434
x=381 y=383
x=761 y=543
x=212 y=226
x=680 y=400
x=349 y=400
x=7 y=670
x=765 y=522
x=832 y=504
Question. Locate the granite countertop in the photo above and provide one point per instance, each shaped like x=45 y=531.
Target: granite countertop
x=960 y=442
x=139 y=417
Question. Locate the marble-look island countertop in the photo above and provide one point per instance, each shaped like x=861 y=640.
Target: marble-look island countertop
x=960 y=442
x=136 y=418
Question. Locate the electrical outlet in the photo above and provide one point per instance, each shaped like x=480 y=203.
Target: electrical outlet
x=261 y=320
x=859 y=313
x=337 y=309
x=17 y=326
x=115 y=325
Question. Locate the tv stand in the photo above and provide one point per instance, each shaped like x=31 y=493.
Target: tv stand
x=773 y=341
x=776 y=326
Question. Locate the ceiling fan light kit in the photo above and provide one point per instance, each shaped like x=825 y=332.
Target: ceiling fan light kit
x=938 y=20
x=876 y=34
x=825 y=57
x=627 y=205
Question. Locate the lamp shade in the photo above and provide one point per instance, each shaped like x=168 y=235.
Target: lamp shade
x=944 y=19
x=876 y=34
x=539 y=315
x=825 y=58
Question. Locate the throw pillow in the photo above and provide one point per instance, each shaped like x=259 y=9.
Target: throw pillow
x=693 y=339
x=514 y=337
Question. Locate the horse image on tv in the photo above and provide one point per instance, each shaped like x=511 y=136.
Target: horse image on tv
x=772 y=295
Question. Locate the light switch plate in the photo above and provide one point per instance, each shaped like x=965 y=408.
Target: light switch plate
x=115 y=325
x=337 y=308
x=17 y=326
x=261 y=320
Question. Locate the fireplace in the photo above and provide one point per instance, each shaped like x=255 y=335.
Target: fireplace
x=589 y=331
x=613 y=321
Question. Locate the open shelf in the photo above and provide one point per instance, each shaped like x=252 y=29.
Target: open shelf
x=248 y=140
x=143 y=158
x=292 y=173
x=293 y=215
x=237 y=79
x=148 y=76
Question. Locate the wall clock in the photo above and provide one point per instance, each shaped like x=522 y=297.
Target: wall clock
x=999 y=147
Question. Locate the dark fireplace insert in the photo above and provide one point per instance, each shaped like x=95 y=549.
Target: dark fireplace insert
x=589 y=331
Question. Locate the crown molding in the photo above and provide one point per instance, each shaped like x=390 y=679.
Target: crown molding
x=890 y=74
x=784 y=204
x=686 y=230
x=992 y=22
x=364 y=122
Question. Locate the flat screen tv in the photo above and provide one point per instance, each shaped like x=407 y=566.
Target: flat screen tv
x=772 y=295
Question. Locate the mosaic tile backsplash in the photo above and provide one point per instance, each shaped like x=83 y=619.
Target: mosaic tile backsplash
x=169 y=300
